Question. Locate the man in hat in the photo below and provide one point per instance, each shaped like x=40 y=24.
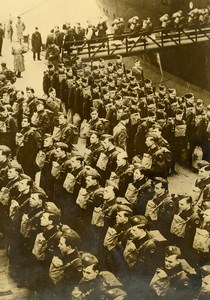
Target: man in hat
x=96 y=284
x=40 y=118
x=161 y=158
x=36 y=43
x=20 y=27
x=50 y=79
x=53 y=55
x=95 y=149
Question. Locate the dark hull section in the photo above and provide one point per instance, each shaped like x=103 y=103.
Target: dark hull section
x=191 y=63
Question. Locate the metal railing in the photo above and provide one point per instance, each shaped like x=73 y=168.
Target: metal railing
x=128 y=44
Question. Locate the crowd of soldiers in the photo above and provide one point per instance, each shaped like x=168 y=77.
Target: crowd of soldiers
x=86 y=211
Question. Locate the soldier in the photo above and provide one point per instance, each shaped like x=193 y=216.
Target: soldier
x=120 y=133
x=108 y=164
x=184 y=235
x=122 y=174
x=174 y=279
x=66 y=268
x=94 y=150
x=40 y=118
x=97 y=284
x=29 y=141
x=160 y=159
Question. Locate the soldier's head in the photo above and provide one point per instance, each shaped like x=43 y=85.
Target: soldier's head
x=179 y=114
x=90 y=266
x=5 y=153
x=14 y=172
x=150 y=141
x=19 y=94
x=36 y=199
x=122 y=159
x=204 y=172
x=161 y=185
x=65 y=245
x=91 y=180
x=49 y=219
x=122 y=217
x=110 y=67
x=25 y=185
x=39 y=105
x=30 y=92
x=171 y=261
x=185 y=203
x=107 y=141
x=48 y=141
x=76 y=162
x=94 y=137
x=137 y=174
x=52 y=92
x=62 y=119
x=162 y=90
x=25 y=122
x=60 y=149
x=172 y=93
x=94 y=114
x=137 y=232
x=109 y=192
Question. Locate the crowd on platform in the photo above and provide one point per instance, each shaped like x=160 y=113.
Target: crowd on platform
x=86 y=211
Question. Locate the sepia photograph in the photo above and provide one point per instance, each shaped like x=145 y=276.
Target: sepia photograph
x=105 y=150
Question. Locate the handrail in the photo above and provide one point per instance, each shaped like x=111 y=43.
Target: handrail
x=128 y=44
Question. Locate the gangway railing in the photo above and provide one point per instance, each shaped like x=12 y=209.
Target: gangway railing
x=127 y=44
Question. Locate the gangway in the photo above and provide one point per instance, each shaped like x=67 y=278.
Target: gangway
x=128 y=45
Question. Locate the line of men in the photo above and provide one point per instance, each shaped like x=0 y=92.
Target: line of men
x=108 y=194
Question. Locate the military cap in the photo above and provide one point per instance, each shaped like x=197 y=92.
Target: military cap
x=105 y=91
x=128 y=71
x=61 y=65
x=3 y=64
x=2 y=108
x=101 y=59
x=61 y=145
x=139 y=220
x=172 y=250
x=109 y=64
x=88 y=259
x=51 y=208
x=39 y=101
x=161 y=87
x=149 y=92
x=147 y=81
x=84 y=80
x=69 y=232
x=199 y=101
x=123 y=201
x=171 y=90
x=179 y=111
x=122 y=207
x=189 y=96
x=28 y=88
x=50 y=66
x=151 y=113
x=92 y=172
x=118 y=56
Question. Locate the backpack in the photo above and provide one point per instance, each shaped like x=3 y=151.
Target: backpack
x=201 y=240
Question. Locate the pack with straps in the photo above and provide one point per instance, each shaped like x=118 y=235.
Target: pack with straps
x=201 y=240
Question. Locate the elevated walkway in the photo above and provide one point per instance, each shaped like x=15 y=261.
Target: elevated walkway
x=127 y=45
